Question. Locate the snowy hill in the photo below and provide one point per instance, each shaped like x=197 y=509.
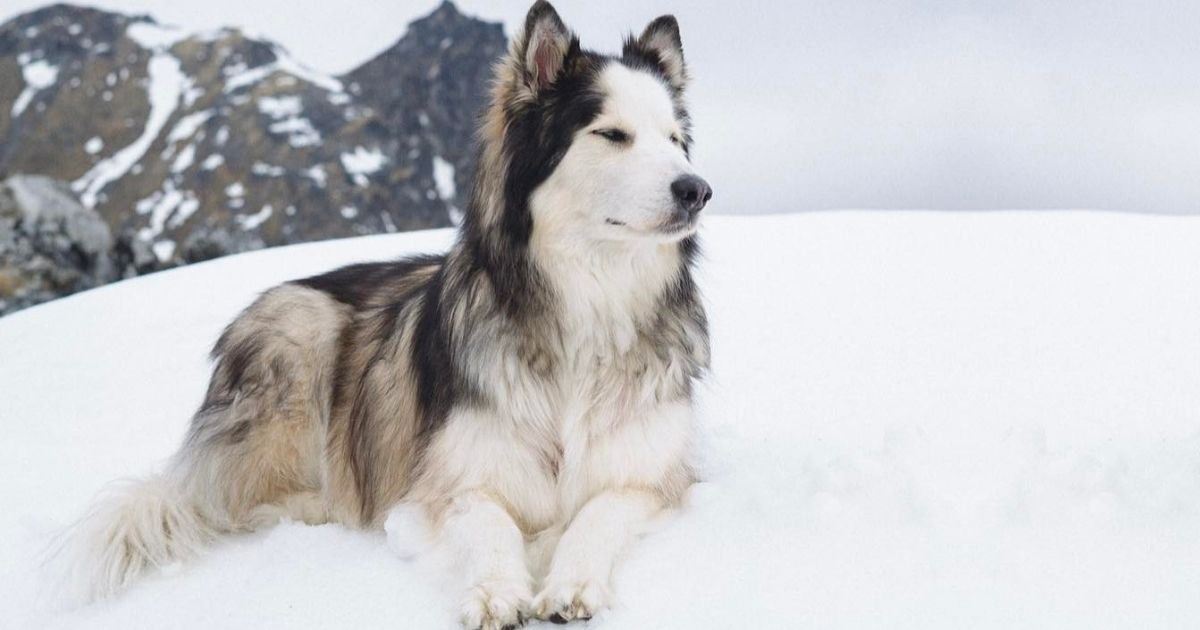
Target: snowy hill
x=915 y=420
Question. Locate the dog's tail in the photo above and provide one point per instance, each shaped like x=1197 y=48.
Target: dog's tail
x=134 y=527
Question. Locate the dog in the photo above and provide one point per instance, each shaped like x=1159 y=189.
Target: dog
x=529 y=393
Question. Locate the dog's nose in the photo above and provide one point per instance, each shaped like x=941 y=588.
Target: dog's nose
x=691 y=192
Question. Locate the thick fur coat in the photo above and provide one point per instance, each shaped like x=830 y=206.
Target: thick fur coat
x=529 y=392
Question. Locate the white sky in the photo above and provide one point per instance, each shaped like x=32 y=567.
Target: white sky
x=861 y=104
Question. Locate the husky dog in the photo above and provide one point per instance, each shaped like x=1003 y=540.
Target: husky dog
x=528 y=393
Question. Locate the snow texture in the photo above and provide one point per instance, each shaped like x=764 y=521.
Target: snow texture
x=286 y=64
x=167 y=87
x=300 y=131
x=184 y=160
x=164 y=249
x=169 y=207
x=280 y=106
x=443 y=178
x=155 y=37
x=38 y=75
x=252 y=221
x=363 y=161
x=914 y=420
x=212 y=162
x=267 y=170
x=188 y=125
x=317 y=174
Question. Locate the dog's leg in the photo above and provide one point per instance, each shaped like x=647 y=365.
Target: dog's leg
x=488 y=551
x=577 y=586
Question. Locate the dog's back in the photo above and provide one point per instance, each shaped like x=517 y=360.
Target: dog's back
x=263 y=444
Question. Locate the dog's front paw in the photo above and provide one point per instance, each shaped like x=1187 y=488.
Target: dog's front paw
x=495 y=606
x=563 y=601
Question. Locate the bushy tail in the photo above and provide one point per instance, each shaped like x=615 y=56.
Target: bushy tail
x=135 y=526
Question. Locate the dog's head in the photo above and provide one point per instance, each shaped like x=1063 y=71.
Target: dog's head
x=594 y=147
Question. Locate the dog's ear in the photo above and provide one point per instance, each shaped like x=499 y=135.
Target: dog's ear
x=544 y=47
x=661 y=42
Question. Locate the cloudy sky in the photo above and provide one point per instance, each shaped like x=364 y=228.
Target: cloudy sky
x=857 y=104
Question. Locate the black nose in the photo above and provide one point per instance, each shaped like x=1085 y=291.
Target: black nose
x=691 y=193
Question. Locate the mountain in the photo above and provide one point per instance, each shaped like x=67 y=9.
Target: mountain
x=202 y=144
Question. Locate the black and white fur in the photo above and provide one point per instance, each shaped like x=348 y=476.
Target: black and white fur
x=528 y=393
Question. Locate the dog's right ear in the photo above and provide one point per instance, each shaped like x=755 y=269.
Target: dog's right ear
x=543 y=49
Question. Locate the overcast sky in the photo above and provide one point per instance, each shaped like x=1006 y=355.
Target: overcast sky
x=855 y=104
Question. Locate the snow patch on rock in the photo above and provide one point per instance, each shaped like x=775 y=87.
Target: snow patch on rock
x=252 y=221
x=443 y=178
x=363 y=162
x=280 y=106
x=212 y=162
x=166 y=88
x=155 y=37
x=241 y=77
x=38 y=76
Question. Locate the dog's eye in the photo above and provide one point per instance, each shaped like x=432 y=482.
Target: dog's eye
x=613 y=135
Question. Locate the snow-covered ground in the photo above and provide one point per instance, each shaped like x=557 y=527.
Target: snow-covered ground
x=915 y=420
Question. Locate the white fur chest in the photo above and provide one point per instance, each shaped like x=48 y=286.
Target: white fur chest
x=552 y=443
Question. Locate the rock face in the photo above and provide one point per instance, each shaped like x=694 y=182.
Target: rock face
x=50 y=244
x=197 y=145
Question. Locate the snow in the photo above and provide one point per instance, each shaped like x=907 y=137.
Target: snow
x=349 y=212
x=38 y=76
x=914 y=420
x=184 y=160
x=186 y=209
x=242 y=77
x=250 y=222
x=288 y=64
x=212 y=162
x=268 y=170
x=155 y=37
x=389 y=225
x=167 y=83
x=94 y=145
x=280 y=106
x=300 y=132
x=163 y=250
x=189 y=125
x=363 y=161
x=169 y=207
x=317 y=174
x=443 y=178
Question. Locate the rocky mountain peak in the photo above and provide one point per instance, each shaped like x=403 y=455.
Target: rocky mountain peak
x=199 y=144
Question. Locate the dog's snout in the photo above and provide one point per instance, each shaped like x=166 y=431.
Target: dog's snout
x=691 y=192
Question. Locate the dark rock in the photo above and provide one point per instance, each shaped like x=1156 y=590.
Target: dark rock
x=50 y=244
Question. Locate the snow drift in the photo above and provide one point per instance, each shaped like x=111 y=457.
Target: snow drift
x=914 y=420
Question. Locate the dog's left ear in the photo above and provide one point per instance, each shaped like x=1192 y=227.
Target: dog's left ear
x=661 y=42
